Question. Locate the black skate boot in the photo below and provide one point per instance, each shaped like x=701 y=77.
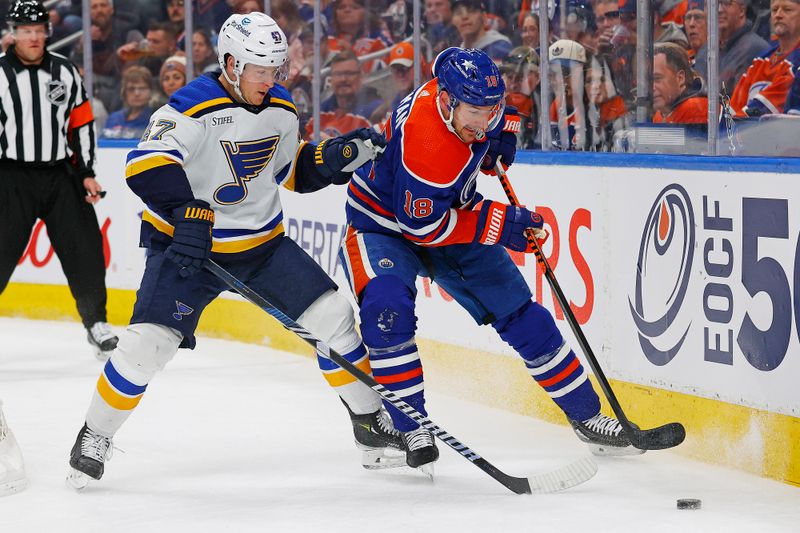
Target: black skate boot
x=421 y=450
x=376 y=437
x=88 y=457
x=605 y=436
x=102 y=339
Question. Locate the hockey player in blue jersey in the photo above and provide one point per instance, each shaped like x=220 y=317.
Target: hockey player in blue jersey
x=208 y=169
x=415 y=212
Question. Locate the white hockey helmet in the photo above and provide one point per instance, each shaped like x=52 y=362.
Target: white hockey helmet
x=253 y=38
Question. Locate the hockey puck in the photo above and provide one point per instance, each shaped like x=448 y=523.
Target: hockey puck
x=689 y=503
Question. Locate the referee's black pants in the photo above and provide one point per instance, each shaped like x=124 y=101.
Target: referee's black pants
x=54 y=195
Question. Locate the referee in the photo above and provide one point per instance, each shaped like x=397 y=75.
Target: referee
x=47 y=148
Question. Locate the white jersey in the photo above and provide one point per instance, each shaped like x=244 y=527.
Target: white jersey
x=203 y=145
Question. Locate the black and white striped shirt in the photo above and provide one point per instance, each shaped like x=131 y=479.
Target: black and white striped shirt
x=44 y=115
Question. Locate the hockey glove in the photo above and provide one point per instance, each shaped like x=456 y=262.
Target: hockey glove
x=507 y=225
x=191 y=240
x=337 y=158
x=503 y=142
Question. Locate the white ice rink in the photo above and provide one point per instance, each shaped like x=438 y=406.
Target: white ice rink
x=235 y=437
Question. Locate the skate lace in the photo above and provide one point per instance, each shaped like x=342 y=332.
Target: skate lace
x=101 y=332
x=96 y=446
x=604 y=425
x=385 y=424
x=419 y=438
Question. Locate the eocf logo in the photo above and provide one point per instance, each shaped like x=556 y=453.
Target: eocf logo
x=663 y=270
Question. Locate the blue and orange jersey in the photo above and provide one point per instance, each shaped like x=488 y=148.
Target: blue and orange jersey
x=423 y=187
x=765 y=85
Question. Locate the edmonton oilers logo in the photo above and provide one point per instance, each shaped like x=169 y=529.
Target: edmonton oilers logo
x=663 y=269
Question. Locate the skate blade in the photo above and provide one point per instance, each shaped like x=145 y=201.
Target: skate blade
x=13 y=486
x=378 y=459
x=601 y=450
x=77 y=479
x=426 y=469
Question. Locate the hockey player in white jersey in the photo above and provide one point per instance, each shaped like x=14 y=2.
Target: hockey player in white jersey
x=208 y=168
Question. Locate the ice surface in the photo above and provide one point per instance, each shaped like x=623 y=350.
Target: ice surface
x=235 y=437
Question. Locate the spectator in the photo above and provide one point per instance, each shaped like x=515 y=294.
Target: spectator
x=670 y=11
x=678 y=96
x=401 y=62
x=171 y=78
x=211 y=13
x=160 y=43
x=764 y=88
x=606 y=13
x=738 y=45
x=131 y=121
x=358 y=27
x=244 y=7
x=581 y=25
x=605 y=109
x=108 y=34
x=350 y=105
x=285 y=13
x=529 y=30
x=176 y=15
x=694 y=23
x=568 y=109
x=203 y=54
x=438 y=28
x=469 y=18
x=520 y=72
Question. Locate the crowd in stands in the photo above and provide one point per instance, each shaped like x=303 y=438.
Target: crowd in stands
x=139 y=47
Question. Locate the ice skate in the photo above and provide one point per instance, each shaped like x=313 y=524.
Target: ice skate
x=88 y=458
x=380 y=444
x=421 y=450
x=604 y=436
x=102 y=339
x=12 y=467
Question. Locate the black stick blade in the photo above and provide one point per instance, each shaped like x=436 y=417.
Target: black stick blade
x=660 y=438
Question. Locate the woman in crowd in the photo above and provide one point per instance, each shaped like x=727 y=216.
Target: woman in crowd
x=131 y=121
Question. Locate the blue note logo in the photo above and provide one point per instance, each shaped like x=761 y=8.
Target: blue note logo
x=183 y=310
x=662 y=276
x=246 y=160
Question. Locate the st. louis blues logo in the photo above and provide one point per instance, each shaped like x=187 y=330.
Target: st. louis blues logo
x=663 y=271
x=183 y=310
x=246 y=160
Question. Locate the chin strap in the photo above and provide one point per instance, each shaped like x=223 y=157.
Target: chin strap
x=480 y=135
x=235 y=85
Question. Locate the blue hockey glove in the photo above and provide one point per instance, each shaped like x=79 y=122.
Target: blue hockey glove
x=336 y=158
x=502 y=142
x=507 y=225
x=191 y=240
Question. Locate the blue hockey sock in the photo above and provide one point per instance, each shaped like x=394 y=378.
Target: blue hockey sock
x=532 y=332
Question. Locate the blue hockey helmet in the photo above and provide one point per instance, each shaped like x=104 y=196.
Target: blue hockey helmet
x=470 y=76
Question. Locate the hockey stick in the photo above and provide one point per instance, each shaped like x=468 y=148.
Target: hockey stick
x=659 y=438
x=560 y=479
